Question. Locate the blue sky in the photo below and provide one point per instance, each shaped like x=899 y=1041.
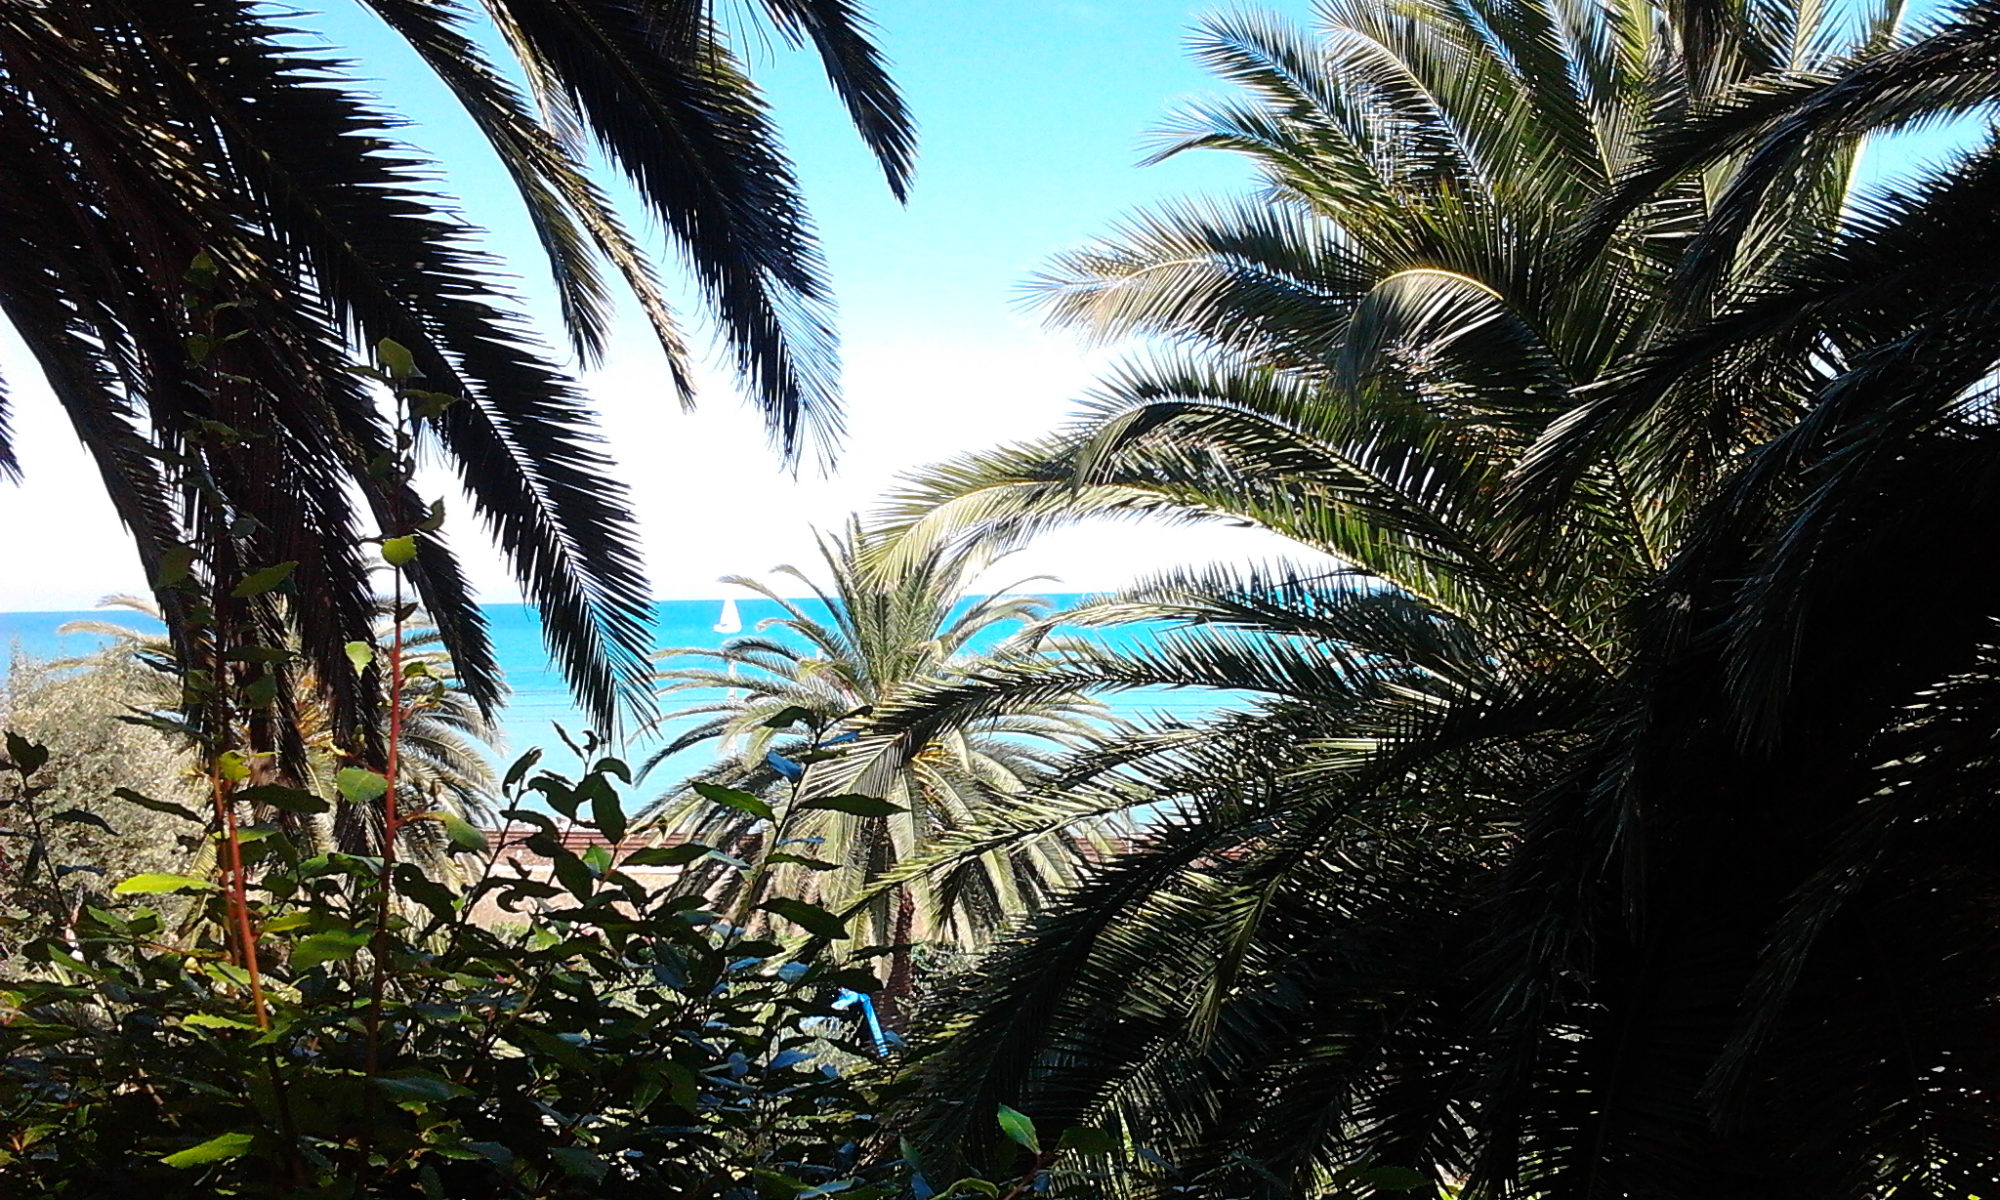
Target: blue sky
x=1033 y=116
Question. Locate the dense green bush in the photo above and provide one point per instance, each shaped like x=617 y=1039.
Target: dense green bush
x=612 y=1043
x=615 y=1041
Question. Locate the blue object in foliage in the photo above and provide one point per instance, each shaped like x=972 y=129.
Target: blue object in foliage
x=849 y=999
x=784 y=766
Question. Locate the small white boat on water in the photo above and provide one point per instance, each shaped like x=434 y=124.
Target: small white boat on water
x=730 y=621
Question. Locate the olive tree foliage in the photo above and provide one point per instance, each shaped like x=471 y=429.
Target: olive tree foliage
x=93 y=757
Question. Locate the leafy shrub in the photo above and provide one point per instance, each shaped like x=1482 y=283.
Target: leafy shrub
x=613 y=1043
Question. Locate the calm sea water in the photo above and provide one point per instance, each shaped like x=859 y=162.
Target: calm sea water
x=540 y=702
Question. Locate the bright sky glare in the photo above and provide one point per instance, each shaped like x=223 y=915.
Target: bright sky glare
x=1034 y=115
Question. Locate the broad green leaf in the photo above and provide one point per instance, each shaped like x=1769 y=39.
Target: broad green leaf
x=787 y=716
x=158 y=884
x=82 y=816
x=176 y=564
x=1395 y=1179
x=212 y=1021
x=333 y=945
x=360 y=654
x=220 y=1148
x=1086 y=1141
x=1019 y=1129
x=399 y=551
x=605 y=811
x=358 y=784
x=666 y=856
x=231 y=765
x=419 y=1085
x=740 y=801
x=521 y=767
x=809 y=917
x=860 y=806
x=576 y=1160
x=466 y=838
x=800 y=860
x=395 y=358
x=159 y=806
x=26 y=756
x=256 y=583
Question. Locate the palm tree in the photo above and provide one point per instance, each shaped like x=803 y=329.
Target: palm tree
x=792 y=725
x=140 y=138
x=1538 y=911
x=445 y=752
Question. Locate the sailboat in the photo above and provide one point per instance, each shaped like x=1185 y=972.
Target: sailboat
x=730 y=621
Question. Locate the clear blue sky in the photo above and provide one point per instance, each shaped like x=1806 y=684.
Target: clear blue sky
x=1033 y=115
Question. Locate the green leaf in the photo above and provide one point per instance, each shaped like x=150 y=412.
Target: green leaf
x=82 y=816
x=666 y=856
x=1019 y=1129
x=1395 y=1179
x=740 y=801
x=231 y=765
x=212 y=1021
x=419 y=1085
x=575 y=1160
x=466 y=838
x=788 y=716
x=159 y=806
x=26 y=756
x=800 y=860
x=158 y=884
x=605 y=810
x=256 y=583
x=286 y=799
x=809 y=917
x=220 y=1148
x=358 y=784
x=333 y=945
x=434 y=521
x=176 y=564
x=1086 y=1141
x=860 y=806
x=360 y=654
x=428 y=406
x=395 y=358
x=399 y=551
x=521 y=767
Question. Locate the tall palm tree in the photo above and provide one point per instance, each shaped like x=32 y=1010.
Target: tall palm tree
x=792 y=725
x=139 y=138
x=1533 y=914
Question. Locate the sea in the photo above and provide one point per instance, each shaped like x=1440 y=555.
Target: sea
x=540 y=712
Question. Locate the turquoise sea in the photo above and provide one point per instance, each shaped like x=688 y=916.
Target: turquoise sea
x=539 y=701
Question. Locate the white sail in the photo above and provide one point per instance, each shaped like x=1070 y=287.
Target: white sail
x=730 y=621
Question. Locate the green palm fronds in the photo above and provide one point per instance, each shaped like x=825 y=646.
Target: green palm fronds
x=138 y=138
x=802 y=689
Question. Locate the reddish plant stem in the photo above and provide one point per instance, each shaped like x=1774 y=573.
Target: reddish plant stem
x=238 y=889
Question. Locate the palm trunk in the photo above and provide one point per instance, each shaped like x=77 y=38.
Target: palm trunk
x=901 y=985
